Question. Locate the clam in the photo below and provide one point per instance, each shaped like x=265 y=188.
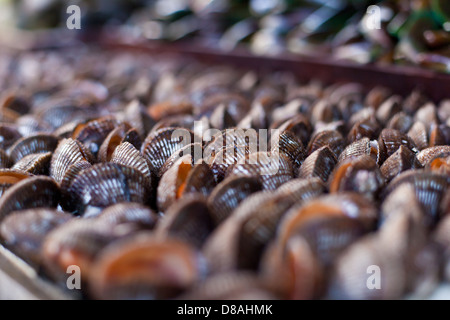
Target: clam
x=273 y=168
x=34 y=192
x=24 y=231
x=5 y=161
x=126 y=154
x=41 y=143
x=142 y=267
x=75 y=243
x=360 y=174
x=361 y=147
x=389 y=108
x=10 y=177
x=161 y=144
x=9 y=134
x=105 y=184
x=332 y=139
x=403 y=159
x=319 y=164
x=129 y=214
x=418 y=134
x=37 y=163
x=426 y=156
x=228 y=194
x=93 y=133
x=390 y=141
x=121 y=134
x=189 y=220
x=68 y=152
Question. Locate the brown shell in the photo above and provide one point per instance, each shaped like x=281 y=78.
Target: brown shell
x=390 y=140
x=68 y=202
x=350 y=275
x=225 y=159
x=360 y=175
x=75 y=243
x=131 y=214
x=363 y=147
x=142 y=267
x=194 y=149
x=34 y=192
x=93 y=133
x=290 y=146
x=430 y=189
x=401 y=122
x=5 y=160
x=299 y=126
x=68 y=152
x=37 y=163
x=172 y=183
x=426 y=156
x=161 y=144
x=272 y=168
x=319 y=164
x=126 y=154
x=229 y=194
x=106 y=184
x=24 y=231
x=189 y=220
x=121 y=134
x=418 y=134
x=9 y=134
x=403 y=159
x=332 y=139
x=40 y=143
x=10 y=177
x=389 y=108
x=363 y=129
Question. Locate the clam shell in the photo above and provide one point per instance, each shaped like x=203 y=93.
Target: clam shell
x=126 y=154
x=363 y=147
x=193 y=149
x=360 y=175
x=10 y=177
x=390 y=140
x=94 y=132
x=5 y=160
x=229 y=194
x=319 y=164
x=418 y=134
x=274 y=169
x=143 y=267
x=34 y=192
x=9 y=134
x=68 y=152
x=129 y=214
x=426 y=156
x=41 y=143
x=290 y=146
x=106 y=184
x=403 y=159
x=37 y=163
x=119 y=135
x=161 y=144
x=189 y=220
x=24 y=231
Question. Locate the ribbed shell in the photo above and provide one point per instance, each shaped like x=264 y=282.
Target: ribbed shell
x=160 y=145
x=229 y=194
x=418 y=134
x=332 y=139
x=427 y=155
x=119 y=135
x=106 y=184
x=5 y=160
x=225 y=159
x=319 y=164
x=10 y=177
x=68 y=152
x=273 y=169
x=9 y=134
x=40 y=143
x=129 y=213
x=35 y=192
x=189 y=220
x=126 y=154
x=24 y=231
x=403 y=159
x=37 y=163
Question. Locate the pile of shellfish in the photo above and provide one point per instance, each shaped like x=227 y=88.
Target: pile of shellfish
x=94 y=175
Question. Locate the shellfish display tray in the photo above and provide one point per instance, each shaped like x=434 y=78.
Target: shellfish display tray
x=19 y=280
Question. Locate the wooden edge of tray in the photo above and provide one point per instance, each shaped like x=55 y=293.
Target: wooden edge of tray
x=19 y=281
